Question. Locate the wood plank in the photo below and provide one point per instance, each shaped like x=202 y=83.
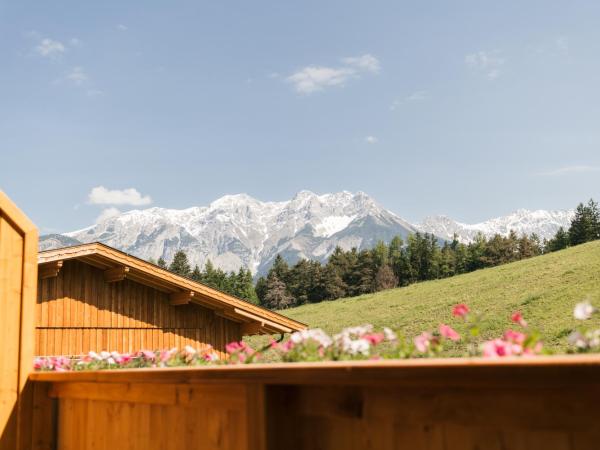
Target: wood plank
x=116 y=274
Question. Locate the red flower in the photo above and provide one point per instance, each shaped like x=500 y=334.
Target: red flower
x=517 y=317
x=460 y=310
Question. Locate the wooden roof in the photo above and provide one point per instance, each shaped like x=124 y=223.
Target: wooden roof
x=182 y=290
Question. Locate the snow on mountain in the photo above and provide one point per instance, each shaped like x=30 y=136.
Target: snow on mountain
x=541 y=222
x=238 y=230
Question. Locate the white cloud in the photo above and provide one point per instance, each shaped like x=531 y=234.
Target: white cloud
x=107 y=214
x=75 y=42
x=77 y=75
x=122 y=27
x=371 y=140
x=313 y=78
x=488 y=63
x=365 y=62
x=102 y=196
x=569 y=170
x=316 y=78
x=417 y=96
x=50 y=48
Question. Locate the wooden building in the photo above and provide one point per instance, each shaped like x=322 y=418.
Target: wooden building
x=94 y=297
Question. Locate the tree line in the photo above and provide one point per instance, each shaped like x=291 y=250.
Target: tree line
x=400 y=263
x=239 y=284
x=420 y=257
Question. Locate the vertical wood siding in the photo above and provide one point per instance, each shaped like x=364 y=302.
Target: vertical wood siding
x=18 y=272
x=78 y=312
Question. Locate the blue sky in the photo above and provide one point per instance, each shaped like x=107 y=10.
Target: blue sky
x=470 y=109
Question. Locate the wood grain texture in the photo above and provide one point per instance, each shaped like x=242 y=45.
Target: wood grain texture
x=79 y=311
x=18 y=275
x=186 y=417
x=462 y=404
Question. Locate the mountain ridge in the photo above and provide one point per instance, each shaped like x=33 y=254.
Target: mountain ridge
x=239 y=230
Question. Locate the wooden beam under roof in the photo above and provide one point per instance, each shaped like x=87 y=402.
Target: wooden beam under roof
x=251 y=328
x=267 y=323
x=181 y=298
x=49 y=270
x=116 y=274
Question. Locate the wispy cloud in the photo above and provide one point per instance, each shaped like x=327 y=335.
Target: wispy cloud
x=94 y=93
x=102 y=196
x=562 y=44
x=570 y=170
x=77 y=75
x=122 y=27
x=371 y=140
x=366 y=62
x=417 y=96
x=316 y=78
x=107 y=214
x=488 y=63
x=49 y=48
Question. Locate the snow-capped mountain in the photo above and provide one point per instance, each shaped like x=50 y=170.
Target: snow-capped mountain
x=238 y=230
x=541 y=222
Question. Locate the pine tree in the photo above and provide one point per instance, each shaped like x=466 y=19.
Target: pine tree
x=585 y=224
x=385 y=278
x=276 y=296
x=261 y=289
x=560 y=241
x=196 y=274
x=280 y=268
x=243 y=286
x=180 y=264
x=364 y=275
x=161 y=263
x=332 y=284
x=380 y=254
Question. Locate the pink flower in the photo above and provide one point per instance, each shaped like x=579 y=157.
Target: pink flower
x=449 y=333
x=517 y=317
x=234 y=347
x=149 y=355
x=374 y=338
x=460 y=310
x=39 y=363
x=514 y=336
x=497 y=348
x=423 y=341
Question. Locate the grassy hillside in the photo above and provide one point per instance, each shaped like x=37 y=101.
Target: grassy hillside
x=544 y=288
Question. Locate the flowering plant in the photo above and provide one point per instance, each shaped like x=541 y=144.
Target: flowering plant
x=353 y=343
x=584 y=340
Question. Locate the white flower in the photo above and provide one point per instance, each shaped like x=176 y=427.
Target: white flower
x=359 y=346
x=189 y=350
x=315 y=334
x=104 y=355
x=389 y=334
x=578 y=340
x=110 y=360
x=583 y=310
x=594 y=338
x=95 y=356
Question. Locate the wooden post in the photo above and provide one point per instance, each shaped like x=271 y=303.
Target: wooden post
x=18 y=285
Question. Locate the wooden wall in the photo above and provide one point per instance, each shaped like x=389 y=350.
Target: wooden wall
x=18 y=273
x=78 y=311
x=544 y=403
